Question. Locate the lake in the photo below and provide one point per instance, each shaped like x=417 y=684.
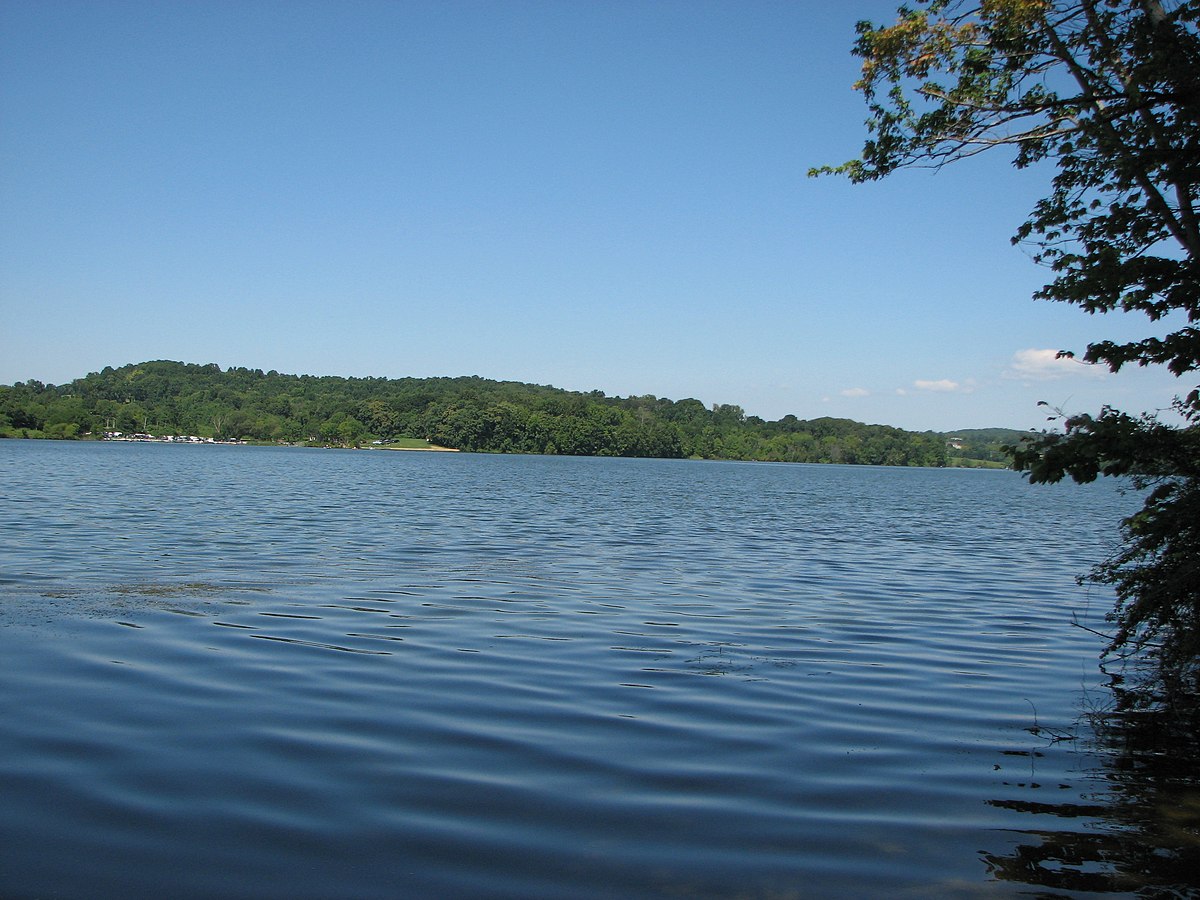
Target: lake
x=282 y=672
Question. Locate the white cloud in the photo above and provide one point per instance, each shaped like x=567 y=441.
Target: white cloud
x=1046 y=365
x=942 y=385
x=856 y=392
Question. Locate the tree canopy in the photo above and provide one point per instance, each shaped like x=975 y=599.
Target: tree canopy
x=468 y=413
x=1107 y=92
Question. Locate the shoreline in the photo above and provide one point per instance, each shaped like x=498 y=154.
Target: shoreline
x=429 y=449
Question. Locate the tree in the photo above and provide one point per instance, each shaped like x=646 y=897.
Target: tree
x=1108 y=93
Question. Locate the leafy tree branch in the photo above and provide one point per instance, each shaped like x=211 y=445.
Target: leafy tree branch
x=1108 y=92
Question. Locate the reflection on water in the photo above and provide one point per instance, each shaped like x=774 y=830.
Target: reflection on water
x=1141 y=833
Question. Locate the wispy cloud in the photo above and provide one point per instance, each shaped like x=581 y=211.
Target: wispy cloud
x=856 y=392
x=1046 y=365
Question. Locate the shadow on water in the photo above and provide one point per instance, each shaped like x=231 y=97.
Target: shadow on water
x=1139 y=834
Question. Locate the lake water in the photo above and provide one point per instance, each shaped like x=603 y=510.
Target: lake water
x=272 y=672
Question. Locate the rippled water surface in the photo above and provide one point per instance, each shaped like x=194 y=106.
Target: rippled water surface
x=260 y=672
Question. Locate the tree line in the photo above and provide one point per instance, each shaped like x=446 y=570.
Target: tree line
x=466 y=413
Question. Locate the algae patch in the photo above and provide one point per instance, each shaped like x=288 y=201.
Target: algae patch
x=172 y=589
x=111 y=601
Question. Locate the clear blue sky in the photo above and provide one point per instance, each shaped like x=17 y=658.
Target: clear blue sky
x=602 y=195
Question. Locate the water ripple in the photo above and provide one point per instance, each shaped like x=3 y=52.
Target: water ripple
x=529 y=677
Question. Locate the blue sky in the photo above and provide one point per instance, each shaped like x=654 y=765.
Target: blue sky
x=600 y=195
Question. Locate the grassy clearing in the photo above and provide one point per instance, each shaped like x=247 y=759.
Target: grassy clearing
x=961 y=462
x=410 y=444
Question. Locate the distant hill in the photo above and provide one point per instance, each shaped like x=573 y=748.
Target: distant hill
x=468 y=413
x=980 y=446
x=987 y=434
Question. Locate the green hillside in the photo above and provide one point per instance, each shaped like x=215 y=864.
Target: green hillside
x=467 y=413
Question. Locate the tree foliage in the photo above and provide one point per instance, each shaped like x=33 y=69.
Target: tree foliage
x=1108 y=93
x=465 y=413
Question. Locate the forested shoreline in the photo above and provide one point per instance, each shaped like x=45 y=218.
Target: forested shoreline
x=465 y=413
